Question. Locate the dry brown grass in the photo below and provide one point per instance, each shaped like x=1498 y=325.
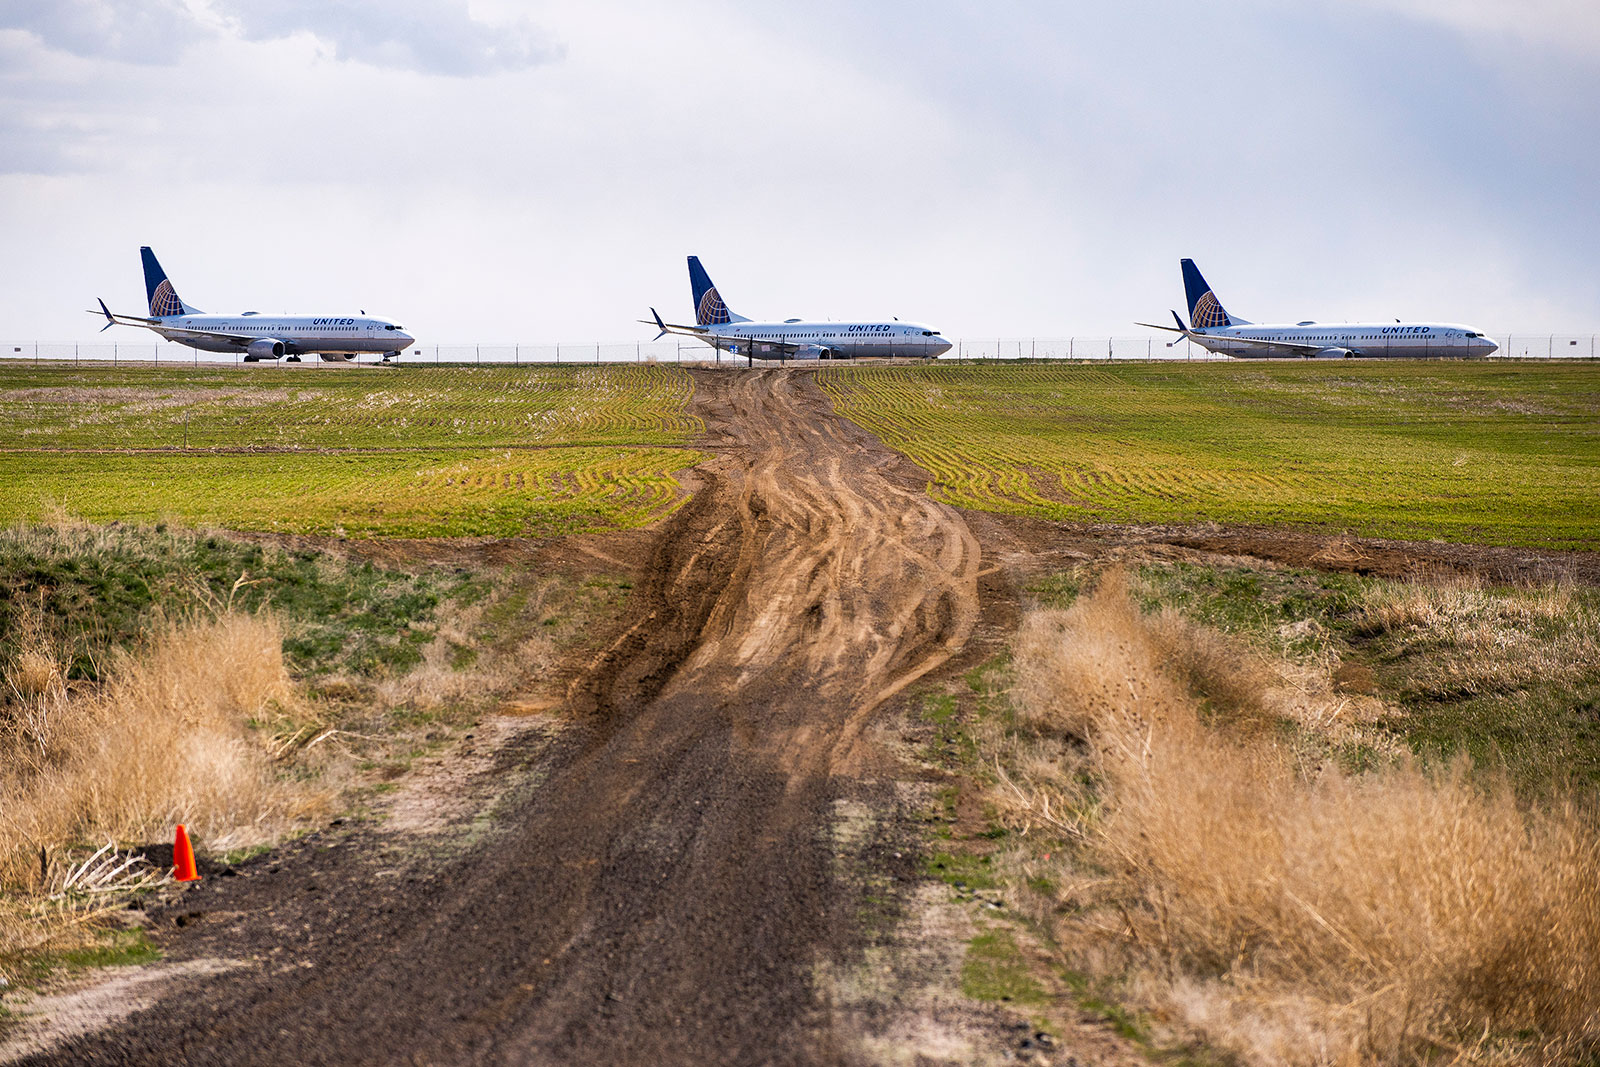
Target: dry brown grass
x=1486 y=640
x=1297 y=914
x=34 y=694
x=167 y=739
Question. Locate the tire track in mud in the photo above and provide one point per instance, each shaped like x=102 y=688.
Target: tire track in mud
x=665 y=892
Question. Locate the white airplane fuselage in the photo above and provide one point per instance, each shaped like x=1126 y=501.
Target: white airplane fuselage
x=307 y=334
x=1397 y=339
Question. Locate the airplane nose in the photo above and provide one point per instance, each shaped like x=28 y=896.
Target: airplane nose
x=404 y=338
x=941 y=346
x=1486 y=346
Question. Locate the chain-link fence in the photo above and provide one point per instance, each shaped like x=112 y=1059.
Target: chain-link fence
x=1528 y=345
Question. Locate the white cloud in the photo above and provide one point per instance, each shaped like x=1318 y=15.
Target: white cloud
x=134 y=31
x=431 y=36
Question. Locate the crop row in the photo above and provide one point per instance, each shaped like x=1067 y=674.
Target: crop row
x=223 y=408
x=519 y=493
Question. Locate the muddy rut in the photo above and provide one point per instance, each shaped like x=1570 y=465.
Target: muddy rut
x=662 y=887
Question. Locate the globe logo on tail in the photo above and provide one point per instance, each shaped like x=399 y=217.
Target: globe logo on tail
x=1208 y=312
x=712 y=311
x=164 y=301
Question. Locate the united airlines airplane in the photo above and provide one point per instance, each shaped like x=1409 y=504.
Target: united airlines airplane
x=336 y=338
x=719 y=327
x=1211 y=327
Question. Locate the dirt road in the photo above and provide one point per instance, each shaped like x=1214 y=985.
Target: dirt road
x=660 y=887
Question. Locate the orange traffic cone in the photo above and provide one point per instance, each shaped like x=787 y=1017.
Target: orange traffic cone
x=183 y=857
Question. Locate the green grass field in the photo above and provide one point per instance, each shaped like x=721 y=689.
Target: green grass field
x=1478 y=452
x=453 y=451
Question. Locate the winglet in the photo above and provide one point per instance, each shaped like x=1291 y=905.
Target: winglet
x=659 y=324
x=1181 y=329
x=110 y=322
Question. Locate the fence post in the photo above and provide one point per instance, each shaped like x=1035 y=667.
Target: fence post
x=558 y=355
x=1550 y=350
x=516 y=354
x=597 y=353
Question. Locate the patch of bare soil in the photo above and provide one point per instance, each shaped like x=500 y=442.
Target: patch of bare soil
x=1033 y=545
x=1392 y=559
x=54 y=1021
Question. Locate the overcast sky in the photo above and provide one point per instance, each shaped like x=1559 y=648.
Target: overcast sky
x=496 y=171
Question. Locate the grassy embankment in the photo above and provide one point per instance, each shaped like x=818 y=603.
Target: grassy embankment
x=1302 y=818
x=1478 y=452
x=408 y=452
x=155 y=676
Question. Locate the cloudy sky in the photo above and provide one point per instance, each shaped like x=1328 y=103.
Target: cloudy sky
x=500 y=171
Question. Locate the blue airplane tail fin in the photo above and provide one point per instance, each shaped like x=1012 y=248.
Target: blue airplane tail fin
x=164 y=299
x=1205 y=310
x=709 y=309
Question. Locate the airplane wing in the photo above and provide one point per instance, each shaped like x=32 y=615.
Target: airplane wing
x=242 y=340
x=1281 y=348
x=756 y=345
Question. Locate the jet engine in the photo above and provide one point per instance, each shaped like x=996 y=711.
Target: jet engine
x=337 y=357
x=263 y=348
x=1334 y=353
